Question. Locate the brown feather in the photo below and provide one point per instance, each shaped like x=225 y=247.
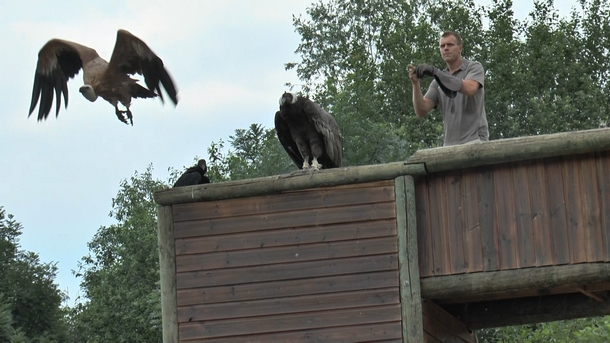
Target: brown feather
x=60 y=60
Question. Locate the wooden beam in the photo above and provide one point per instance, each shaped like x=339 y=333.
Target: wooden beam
x=591 y=288
x=408 y=265
x=590 y=294
x=167 y=266
x=512 y=149
x=444 y=326
x=520 y=311
x=454 y=286
x=288 y=182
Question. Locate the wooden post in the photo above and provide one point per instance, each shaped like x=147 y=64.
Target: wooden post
x=410 y=295
x=167 y=266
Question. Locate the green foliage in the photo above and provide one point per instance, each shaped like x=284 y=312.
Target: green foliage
x=35 y=297
x=544 y=74
x=583 y=330
x=30 y=302
x=121 y=273
x=6 y=320
x=545 y=80
x=255 y=152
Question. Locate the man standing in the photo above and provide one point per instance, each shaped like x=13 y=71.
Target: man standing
x=457 y=91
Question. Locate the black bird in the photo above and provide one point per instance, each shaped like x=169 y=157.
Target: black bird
x=194 y=175
x=309 y=134
x=60 y=60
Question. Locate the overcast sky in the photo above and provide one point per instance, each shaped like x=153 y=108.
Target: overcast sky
x=59 y=176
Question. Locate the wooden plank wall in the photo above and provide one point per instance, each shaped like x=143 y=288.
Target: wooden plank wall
x=306 y=266
x=516 y=215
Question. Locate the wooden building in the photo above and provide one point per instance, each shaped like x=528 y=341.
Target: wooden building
x=452 y=240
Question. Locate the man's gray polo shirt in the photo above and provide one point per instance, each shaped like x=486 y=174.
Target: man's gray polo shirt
x=464 y=118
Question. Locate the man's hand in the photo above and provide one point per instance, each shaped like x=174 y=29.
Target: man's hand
x=425 y=70
x=412 y=74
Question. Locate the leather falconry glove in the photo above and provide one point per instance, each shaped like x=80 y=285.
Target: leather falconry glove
x=448 y=83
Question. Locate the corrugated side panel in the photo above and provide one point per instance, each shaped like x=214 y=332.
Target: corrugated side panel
x=516 y=215
x=318 y=265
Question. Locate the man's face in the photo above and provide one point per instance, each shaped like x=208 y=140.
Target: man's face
x=450 y=51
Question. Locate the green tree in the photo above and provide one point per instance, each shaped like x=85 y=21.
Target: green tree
x=583 y=330
x=6 y=321
x=30 y=301
x=254 y=152
x=545 y=74
x=121 y=272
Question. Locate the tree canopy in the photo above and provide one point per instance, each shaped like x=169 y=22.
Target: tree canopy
x=544 y=74
x=30 y=301
x=120 y=276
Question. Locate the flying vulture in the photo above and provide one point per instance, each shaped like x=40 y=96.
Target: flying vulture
x=194 y=175
x=309 y=134
x=59 y=60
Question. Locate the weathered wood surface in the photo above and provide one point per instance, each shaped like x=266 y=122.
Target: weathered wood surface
x=289 y=236
x=288 y=288
x=315 y=256
x=512 y=149
x=301 y=200
x=287 y=305
x=377 y=332
x=297 y=180
x=167 y=270
x=213 y=329
x=594 y=288
x=530 y=310
x=514 y=280
x=514 y=215
x=299 y=266
x=410 y=295
x=286 y=254
x=440 y=326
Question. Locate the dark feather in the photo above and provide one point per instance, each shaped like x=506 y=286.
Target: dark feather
x=60 y=60
x=194 y=175
x=306 y=130
x=53 y=79
x=283 y=134
x=132 y=56
x=137 y=91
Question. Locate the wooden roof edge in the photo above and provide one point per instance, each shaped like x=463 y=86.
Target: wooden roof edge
x=512 y=149
x=298 y=180
x=422 y=162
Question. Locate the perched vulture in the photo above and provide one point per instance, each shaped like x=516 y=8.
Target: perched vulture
x=194 y=175
x=59 y=60
x=309 y=134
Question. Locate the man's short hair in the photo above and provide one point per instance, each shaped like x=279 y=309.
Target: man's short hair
x=457 y=36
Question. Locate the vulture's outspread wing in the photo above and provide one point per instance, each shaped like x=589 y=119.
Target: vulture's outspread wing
x=131 y=55
x=58 y=60
x=327 y=126
x=283 y=134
